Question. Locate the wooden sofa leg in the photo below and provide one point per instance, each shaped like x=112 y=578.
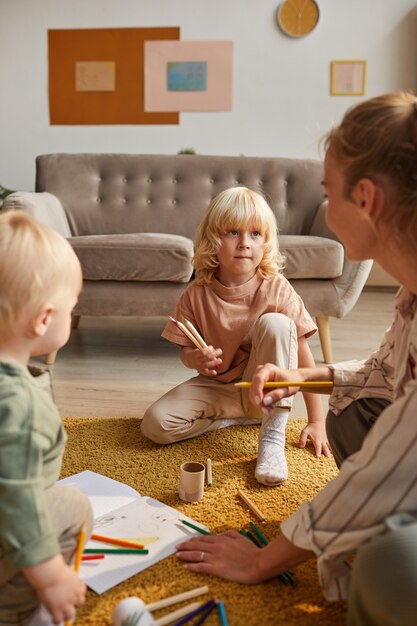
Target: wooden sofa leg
x=324 y=334
x=50 y=358
x=75 y=320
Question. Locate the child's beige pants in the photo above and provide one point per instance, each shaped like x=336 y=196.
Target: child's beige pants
x=194 y=407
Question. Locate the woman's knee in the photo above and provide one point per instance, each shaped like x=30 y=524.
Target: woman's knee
x=384 y=580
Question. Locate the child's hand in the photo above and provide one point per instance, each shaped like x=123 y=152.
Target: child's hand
x=208 y=361
x=58 y=587
x=316 y=433
x=64 y=595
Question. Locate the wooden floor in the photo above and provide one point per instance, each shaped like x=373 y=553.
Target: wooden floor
x=118 y=366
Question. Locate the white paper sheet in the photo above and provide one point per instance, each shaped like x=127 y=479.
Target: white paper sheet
x=142 y=520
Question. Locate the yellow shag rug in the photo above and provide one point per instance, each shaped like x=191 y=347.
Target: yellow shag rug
x=116 y=448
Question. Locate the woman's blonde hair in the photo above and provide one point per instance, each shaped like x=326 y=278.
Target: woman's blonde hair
x=377 y=139
x=237 y=207
x=36 y=264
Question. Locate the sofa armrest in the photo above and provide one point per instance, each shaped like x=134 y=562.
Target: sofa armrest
x=45 y=207
x=354 y=275
x=319 y=226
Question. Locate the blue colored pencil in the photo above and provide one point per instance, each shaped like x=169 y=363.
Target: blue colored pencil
x=205 y=615
x=201 y=608
x=222 y=613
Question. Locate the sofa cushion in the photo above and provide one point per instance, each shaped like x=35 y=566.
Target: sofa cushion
x=311 y=257
x=135 y=257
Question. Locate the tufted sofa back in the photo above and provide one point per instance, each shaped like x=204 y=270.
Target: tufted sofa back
x=125 y=193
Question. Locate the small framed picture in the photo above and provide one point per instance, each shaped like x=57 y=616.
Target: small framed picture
x=348 y=78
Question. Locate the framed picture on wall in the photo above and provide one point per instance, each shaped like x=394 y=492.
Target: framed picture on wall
x=347 y=78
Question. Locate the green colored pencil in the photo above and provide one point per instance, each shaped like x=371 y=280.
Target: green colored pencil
x=202 y=531
x=115 y=551
x=251 y=536
x=285 y=576
x=256 y=530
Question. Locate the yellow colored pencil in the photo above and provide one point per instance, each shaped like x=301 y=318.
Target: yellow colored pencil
x=252 y=506
x=286 y=383
x=78 y=556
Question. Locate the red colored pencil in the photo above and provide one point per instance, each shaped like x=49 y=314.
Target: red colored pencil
x=92 y=557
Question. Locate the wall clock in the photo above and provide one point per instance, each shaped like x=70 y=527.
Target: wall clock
x=298 y=18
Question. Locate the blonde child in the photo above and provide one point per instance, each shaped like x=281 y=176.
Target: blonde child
x=40 y=279
x=248 y=314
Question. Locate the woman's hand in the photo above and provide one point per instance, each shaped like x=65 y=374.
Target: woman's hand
x=228 y=555
x=265 y=397
x=234 y=557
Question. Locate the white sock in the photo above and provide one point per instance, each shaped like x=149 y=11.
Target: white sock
x=235 y=421
x=271 y=467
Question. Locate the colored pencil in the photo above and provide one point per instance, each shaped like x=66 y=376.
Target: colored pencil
x=180 y=597
x=205 y=615
x=222 y=613
x=186 y=332
x=286 y=383
x=284 y=576
x=252 y=506
x=200 y=530
x=175 y=615
x=115 y=551
x=78 y=557
x=254 y=539
x=117 y=542
x=209 y=473
x=92 y=557
x=200 y=609
x=195 y=332
x=256 y=530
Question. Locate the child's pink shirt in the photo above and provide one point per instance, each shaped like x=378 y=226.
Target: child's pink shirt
x=225 y=317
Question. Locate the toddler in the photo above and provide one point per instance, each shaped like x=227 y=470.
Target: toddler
x=40 y=279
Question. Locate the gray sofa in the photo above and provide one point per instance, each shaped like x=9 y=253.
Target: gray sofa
x=131 y=219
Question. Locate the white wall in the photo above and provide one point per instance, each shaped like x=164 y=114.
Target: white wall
x=281 y=105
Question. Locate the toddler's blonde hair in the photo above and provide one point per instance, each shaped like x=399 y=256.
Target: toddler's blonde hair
x=36 y=264
x=236 y=207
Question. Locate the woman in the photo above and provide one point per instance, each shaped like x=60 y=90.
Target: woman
x=370 y=509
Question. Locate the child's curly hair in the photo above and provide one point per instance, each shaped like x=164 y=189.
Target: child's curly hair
x=236 y=207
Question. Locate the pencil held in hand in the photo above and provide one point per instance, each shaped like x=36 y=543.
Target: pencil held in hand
x=196 y=338
x=286 y=383
x=78 y=555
